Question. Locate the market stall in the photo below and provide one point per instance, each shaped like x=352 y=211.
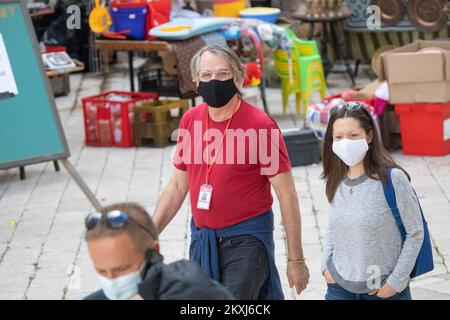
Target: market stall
x=300 y=42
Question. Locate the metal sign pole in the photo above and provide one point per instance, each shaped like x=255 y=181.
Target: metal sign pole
x=80 y=182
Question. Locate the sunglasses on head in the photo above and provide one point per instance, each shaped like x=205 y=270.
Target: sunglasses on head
x=354 y=105
x=115 y=219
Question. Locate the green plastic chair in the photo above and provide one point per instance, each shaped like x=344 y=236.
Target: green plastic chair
x=290 y=80
x=307 y=72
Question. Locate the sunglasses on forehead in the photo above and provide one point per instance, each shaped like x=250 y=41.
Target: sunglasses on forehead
x=354 y=105
x=115 y=219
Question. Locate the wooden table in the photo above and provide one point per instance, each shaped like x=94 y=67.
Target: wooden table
x=130 y=46
x=41 y=13
x=334 y=25
x=79 y=66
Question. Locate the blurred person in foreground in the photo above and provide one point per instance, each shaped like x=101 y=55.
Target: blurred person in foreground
x=123 y=244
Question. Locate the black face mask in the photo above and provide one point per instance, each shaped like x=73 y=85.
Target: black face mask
x=217 y=93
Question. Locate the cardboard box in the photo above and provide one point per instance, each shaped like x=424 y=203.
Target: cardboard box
x=418 y=76
x=169 y=62
x=60 y=84
x=59 y=79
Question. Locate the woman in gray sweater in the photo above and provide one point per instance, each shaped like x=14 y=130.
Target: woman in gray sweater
x=364 y=257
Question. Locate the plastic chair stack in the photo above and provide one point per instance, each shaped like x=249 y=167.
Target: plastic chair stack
x=301 y=73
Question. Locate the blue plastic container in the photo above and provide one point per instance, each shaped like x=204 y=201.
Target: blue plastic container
x=130 y=16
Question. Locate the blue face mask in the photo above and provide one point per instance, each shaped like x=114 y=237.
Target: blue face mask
x=120 y=288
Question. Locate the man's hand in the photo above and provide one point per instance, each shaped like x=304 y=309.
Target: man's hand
x=298 y=276
x=328 y=278
x=386 y=291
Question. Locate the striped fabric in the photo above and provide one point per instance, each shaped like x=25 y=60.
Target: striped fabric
x=362 y=45
x=358 y=20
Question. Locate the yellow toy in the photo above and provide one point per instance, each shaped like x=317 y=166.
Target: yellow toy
x=99 y=18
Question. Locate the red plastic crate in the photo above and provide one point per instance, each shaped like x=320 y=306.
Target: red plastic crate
x=425 y=128
x=49 y=49
x=108 y=117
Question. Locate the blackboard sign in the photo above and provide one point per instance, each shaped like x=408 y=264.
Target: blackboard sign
x=30 y=128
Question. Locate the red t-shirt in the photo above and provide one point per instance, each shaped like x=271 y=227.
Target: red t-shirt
x=240 y=189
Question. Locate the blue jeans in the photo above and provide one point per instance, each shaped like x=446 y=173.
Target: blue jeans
x=336 y=292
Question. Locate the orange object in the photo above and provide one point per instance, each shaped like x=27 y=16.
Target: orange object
x=425 y=128
x=99 y=18
x=228 y=8
x=121 y=35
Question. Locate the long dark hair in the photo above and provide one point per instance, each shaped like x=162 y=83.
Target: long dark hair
x=376 y=161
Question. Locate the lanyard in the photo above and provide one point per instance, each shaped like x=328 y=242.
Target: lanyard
x=209 y=166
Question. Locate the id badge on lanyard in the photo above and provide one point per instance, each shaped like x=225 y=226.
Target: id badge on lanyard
x=204 y=197
x=205 y=194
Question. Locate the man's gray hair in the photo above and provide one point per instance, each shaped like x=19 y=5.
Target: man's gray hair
x=223 y=51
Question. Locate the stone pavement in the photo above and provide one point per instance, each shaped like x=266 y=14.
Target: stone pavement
x=42 y=252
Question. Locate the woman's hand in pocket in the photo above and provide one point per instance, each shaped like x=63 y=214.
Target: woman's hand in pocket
x=328 y=278
x=385 y=292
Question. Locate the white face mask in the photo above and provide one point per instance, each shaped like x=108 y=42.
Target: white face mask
x=351 y=151
x=120 y=288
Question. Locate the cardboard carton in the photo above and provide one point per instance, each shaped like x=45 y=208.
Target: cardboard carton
x=418 y=72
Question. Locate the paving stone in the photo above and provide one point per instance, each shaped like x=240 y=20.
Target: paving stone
x=49 y=208
x=425 y=294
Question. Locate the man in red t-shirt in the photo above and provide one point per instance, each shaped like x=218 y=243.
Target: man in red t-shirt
x=229 y=154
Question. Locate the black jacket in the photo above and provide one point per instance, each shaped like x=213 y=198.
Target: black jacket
x=180 y=280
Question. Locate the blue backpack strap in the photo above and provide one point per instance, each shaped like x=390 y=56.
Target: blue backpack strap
x=389 y=193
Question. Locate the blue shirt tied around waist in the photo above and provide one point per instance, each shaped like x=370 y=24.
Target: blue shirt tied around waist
x=206 y=253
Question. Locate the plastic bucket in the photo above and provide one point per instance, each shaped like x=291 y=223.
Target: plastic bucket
x=130 y=16
x=228 y=8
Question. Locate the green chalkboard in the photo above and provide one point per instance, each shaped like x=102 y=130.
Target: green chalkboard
x=30 y=128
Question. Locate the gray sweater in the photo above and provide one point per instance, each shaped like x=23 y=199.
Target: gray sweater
x=363 y=246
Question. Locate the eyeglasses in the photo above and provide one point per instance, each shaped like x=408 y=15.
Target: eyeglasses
x=221 y=75
x=115 y=219
x=354 y=105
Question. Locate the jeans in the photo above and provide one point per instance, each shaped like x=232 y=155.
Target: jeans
x=244 y=266
x=336 y=292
